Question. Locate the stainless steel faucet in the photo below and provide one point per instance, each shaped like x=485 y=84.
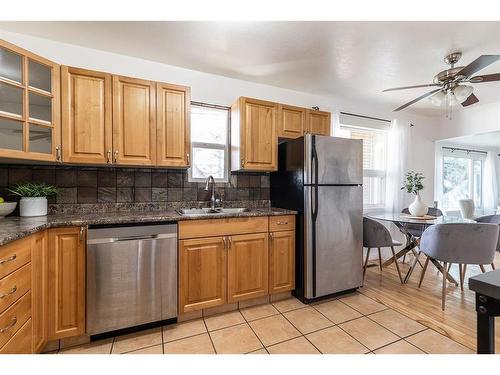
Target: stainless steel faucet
x=210 y=179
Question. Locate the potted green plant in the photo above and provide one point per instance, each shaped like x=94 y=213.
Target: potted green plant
x=413 y=185
x=33 y=198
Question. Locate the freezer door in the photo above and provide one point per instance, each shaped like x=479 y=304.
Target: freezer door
x=333 y=241
x=336 y=161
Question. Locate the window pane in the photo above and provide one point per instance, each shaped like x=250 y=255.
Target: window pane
x=40 y=139
x=11 y=134
x=40 y=107
x=10 y=65
x=11 y=99
x=478 y=188
x=208 y=162
x=374 y=147
x=373 y=191
x=209 y=125
x=39 y=76
x=455 y=181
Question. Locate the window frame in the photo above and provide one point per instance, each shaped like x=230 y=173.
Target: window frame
x=213 y=146
x=373 y=172
x=472 y=156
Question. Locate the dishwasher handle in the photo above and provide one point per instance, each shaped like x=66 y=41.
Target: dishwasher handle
x=131 y=238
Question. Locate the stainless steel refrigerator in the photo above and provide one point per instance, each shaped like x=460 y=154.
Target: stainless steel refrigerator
x=321 y=177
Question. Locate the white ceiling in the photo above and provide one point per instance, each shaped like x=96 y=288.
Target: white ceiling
x=486 y=140
x=353 y=60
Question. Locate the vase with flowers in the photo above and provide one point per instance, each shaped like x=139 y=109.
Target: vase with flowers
x=413 y=185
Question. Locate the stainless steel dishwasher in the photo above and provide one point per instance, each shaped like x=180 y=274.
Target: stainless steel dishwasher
x=131 y=276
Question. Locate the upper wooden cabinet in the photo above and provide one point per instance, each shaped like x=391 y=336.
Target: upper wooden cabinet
x=86 y=116
x=291 y=121
x=66 y=282
x=29 y=105
x=318 y=122
x=173 y=142
x=253 y=135
x=134 y=121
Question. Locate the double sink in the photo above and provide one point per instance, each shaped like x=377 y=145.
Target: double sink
x=211 y=211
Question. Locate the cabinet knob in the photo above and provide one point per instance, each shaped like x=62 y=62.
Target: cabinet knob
x=82 y=230
x=115 y=157
x=108 y=157
x=58 y=154
x=187 y=159
x=242 y=162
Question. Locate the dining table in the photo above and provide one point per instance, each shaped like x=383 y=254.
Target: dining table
x=405 y=222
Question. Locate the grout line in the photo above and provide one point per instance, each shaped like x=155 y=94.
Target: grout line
x=255 y=333
x=209 y=336
x=301 y=333
x=142 y=348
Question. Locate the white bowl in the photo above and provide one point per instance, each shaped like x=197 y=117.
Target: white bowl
x=7 y=208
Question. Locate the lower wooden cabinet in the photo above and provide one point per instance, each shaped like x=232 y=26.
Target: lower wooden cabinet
x=39 y=289
x=66 y=282
x=281 y=261
x=202 y=273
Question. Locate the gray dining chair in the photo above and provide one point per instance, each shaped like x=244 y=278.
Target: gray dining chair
x=460 y=243
x=375 y=235
x=493 y=219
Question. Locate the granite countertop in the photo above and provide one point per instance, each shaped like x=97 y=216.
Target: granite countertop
x=14 y=228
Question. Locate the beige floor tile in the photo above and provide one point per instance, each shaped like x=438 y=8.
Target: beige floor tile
x=235 y=340
x=258 y=312
x=199 y=344
x=185 y=329
x=369 y=333
x=399 y=347
x=363 y=304
x=300 y=345
x=224 y=320
x=397 y=323
x=157 y=349
x=137 y=340
x=434 y=343
x=288 y=304
x=274 y=329
x=96 y=347
x=260 y=351
x=335 y=341
x=337 y=311
x=307 y=320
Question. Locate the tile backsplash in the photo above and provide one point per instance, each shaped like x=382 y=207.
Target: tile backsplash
x=99 y=189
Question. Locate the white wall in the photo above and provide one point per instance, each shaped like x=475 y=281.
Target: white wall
x=221 y=90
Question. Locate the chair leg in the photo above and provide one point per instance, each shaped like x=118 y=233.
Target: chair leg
x=422 y=274
x=443 y=294
x=404 y=259
x=493 y=266
x=379 y=259
x=397 y=265
x=461 y=271
x=482 y=268
x=366 y=262
x=449 y=266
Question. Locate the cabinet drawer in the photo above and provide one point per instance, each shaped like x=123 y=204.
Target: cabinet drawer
x=222 y=227
x=14 y=255
x=14 y=317
x=14 y=286
x=285 y=222
x=21 y=342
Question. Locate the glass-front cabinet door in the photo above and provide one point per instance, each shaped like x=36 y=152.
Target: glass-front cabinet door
x=29 y=105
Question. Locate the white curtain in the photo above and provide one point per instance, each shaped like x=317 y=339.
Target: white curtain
x=490 y=184
x=335 y=129
x=438 y=175
x=397 y=162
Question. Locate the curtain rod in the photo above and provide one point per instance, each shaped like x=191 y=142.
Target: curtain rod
x=206 y=105
x=368 y=117
x=464 y=149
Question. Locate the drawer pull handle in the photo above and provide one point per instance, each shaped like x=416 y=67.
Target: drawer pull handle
x=282 y=222
x=12 y=324
x=12 y=291
x=13 y=257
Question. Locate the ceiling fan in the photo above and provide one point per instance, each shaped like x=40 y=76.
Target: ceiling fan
x=451 y=82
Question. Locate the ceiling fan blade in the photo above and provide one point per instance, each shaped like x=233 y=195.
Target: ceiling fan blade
x=472 y=99
x=480 y=63
x=417 y=99
x=412 y=87
x=485 y=78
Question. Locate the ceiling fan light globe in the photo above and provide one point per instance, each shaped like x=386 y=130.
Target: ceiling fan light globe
x=462 y=92
x=438 y=98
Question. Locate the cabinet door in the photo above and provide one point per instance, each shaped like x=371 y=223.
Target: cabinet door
x=247 y=266
x=281 y=261
x=134 y=121
x=86 y=116
x=66 y=282
x=259 y=138
x=291 y=121
x=173 y=125
x=29 y=105
x=39 y=290
x=202 y=273
x=318 y=122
